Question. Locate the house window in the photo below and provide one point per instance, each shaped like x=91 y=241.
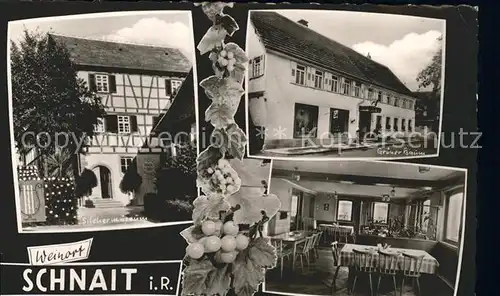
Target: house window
x=396 y=128
x=257 y=67
x=339 y=121
x=175 y=85
x=102 y=83
x=318 y=79
x=357 y=89
x=192 y=134
x=344 y=210
x=99 y=127
x=403 y=126
x=380 y=212
x=124 y=124
x=454 y=217
x=347 y=87
x=371 y=94
x=410 y=105
x=388 y=123
x=125 y=162
x=426 y=212
x=305 y=121
x=396 y=101
x=409 y=125
x=384 y=98
x=379 y=97
x=300 y=77
x=335 y=84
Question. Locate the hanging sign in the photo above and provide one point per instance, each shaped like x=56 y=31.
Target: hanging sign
x=371 y=109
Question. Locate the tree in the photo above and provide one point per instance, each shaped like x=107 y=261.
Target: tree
x=431 y=75
x=49 y=101
x=59 y=164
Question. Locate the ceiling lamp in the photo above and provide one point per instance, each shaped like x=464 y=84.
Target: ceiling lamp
x=334 y=195
x=393 y=192
x=385 y=197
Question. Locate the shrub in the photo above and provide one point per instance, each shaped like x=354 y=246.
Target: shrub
x=85 y=182
x=131 y=181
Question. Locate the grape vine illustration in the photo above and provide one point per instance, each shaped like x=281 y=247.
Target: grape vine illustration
x=227 y=253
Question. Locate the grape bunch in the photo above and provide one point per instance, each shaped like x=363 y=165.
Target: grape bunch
x=221 y=178
x=222 y=240
x=223 y=59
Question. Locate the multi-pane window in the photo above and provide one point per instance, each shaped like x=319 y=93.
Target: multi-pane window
x=410 y=127
x=347 y=87
x=257 y=67
x=335 y=84
x=124 y=124
x=403 y=126
x=396 y=127
x=454 y=217
x=379 y=96
x=305 y=120
x=175 y=85
x=99 y=127
x=344 y=210
x=357 y=89
x=396 y=101
x=102 y=83
x=318 y=79
x=300 y=75
x=380 y=212
x=371 y=94
x=125 y=162
x=388 y=123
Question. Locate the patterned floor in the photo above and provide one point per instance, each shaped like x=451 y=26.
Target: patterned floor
x=317 y=280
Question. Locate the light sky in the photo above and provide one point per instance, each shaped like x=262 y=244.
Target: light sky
x=405 y=44
x=169 y=29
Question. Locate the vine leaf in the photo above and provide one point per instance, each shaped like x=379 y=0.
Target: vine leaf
x=238 y=74
x=201 y=277
x=227 y=22
x=219 y=115
x=214 y=37
x=208 y=208
x=208 y=157
x=247 y=275
x=223 y=91
x=218 y=281
x=262 y=253
x=239 y=54
x=236 y=141
x=253 y=205
x=213 y=9
x=192 y=234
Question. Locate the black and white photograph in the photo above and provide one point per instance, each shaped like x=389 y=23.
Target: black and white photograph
x=366 y=228
x=103 y=125
x=343 y=84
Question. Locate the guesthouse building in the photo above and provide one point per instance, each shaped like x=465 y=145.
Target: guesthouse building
x=303 y=84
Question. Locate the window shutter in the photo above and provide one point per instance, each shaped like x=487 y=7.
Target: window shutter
x=112 y=83
x=168 y=87
x=293 y=66
x=92 y=85
x=263 y=64
x=133 y=123
x=250 y=68
x=111 y=123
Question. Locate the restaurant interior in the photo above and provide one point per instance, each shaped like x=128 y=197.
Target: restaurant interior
x=366 y=228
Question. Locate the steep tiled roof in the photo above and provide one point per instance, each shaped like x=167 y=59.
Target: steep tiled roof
x=283 y=35
x=99 y=53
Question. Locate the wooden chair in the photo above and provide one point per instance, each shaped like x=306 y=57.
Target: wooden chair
x=304 y=251
x=363 y=265
x=411 y=269
x=282 y=253
x=336 y=262
x=315 y=244
x=387 y=266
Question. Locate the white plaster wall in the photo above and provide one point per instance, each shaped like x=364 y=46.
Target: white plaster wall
x=255 y=48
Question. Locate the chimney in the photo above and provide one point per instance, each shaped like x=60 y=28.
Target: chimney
x=303 y=22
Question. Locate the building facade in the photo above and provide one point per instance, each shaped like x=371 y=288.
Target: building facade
x=318 y=87
x=136 y=84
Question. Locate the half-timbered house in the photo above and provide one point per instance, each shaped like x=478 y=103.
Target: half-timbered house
x=136 y=84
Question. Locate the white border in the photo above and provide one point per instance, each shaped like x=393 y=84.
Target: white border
x=95 y=228
x=108 y=263
x=339 y=158
x=464 y=225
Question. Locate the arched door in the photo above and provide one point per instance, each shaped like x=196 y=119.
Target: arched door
x=103 y=189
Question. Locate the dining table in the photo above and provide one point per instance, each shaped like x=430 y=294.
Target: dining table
x=294 y=238
x=429 y=264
